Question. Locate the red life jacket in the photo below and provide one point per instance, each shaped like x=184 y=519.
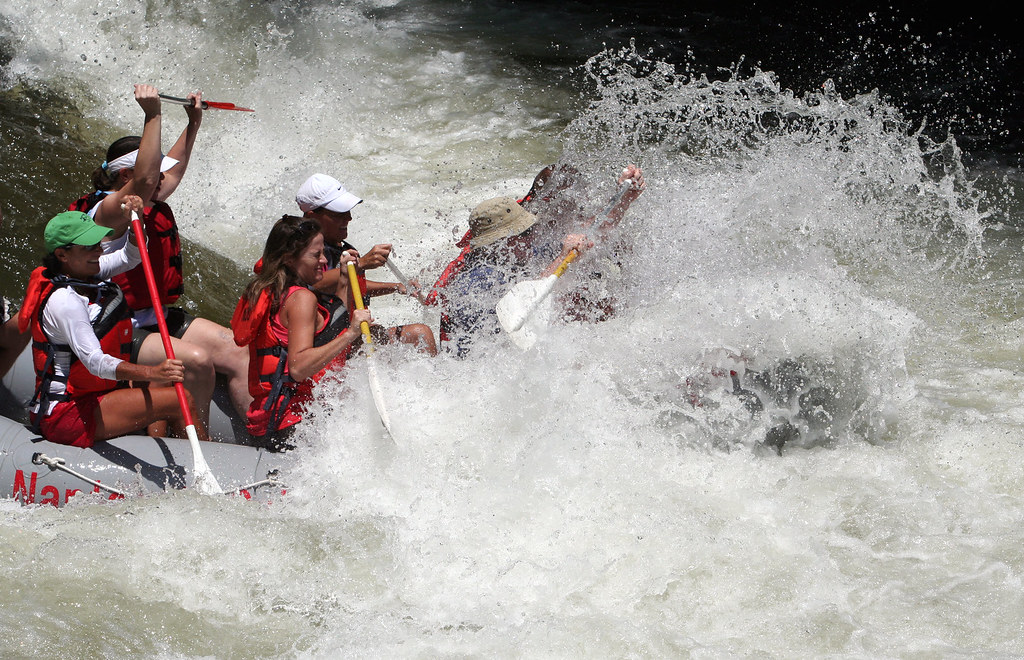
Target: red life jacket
x=278 y=399
x=113 y=328
x=164 y=248
x=437 y=295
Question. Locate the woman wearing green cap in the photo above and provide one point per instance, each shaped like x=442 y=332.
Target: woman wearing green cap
x=81 y=332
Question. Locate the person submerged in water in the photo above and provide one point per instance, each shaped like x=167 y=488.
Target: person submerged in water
x=558 y=198
x=293 y=338
x=136 y=166
x=325 y=200
x=81 y=330
x=500 y=255
x=554 y=201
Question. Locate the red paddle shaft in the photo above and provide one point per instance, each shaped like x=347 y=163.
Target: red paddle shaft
x=158 y=310
x=216 y=105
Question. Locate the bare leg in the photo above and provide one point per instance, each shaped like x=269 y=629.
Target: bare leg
x=12 y=343
x=228 y=357
x=200 y=378
x=131 y=409
x=416 y=334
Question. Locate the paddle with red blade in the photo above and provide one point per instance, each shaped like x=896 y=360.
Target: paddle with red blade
x=207 y=105
x=204 y=481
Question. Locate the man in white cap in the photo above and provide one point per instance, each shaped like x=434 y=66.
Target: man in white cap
x=324 y=199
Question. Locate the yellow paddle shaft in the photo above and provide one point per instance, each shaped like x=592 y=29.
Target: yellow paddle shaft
x=357 y=295
x=569 y=258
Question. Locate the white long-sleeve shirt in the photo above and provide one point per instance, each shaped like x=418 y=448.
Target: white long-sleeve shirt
x=68 y=316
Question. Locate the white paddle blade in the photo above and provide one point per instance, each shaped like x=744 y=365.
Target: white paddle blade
x=203 y=481
x=534 y=325
x=378 y=396
x=516 y=306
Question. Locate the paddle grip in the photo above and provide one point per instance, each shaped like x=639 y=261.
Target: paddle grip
x=569 y=258
x=357 y=295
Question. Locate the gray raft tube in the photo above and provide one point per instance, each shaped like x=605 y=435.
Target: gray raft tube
x=34 y=471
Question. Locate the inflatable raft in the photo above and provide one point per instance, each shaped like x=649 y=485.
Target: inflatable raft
x=34 y=471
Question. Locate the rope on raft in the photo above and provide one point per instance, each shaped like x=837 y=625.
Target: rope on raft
x=271 y=480
x=59 y=464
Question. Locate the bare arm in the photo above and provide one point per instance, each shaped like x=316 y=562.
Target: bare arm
x=146 y=173
x=299 y=316
x=335 y=283
x=182 y=149
x=375 y=258
x=636 y=188
x=168 y=370
x=382 y=288
x=573 y=242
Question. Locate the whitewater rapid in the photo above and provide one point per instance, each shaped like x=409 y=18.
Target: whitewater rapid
x=603 y=494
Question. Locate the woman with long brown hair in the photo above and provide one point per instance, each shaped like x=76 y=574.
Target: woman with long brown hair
x=292 y=338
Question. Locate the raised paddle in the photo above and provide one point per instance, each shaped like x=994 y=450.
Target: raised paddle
x=204 y=480
x=371 y=366
x=516 y=306
x=206 y=105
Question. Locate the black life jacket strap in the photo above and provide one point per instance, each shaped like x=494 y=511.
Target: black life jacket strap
x=282 y=388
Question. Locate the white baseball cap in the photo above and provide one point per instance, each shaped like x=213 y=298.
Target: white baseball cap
x=322 y=191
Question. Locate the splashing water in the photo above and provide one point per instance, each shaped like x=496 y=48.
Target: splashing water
x=609 y=492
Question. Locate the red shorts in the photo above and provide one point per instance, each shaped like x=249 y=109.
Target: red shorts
x=73 y=422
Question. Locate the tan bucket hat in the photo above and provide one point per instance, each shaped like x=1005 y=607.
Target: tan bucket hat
x=498 y=218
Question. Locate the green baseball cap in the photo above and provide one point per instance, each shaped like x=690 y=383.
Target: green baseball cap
x=73 y=228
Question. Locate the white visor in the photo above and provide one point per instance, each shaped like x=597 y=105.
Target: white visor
x=127 y=161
